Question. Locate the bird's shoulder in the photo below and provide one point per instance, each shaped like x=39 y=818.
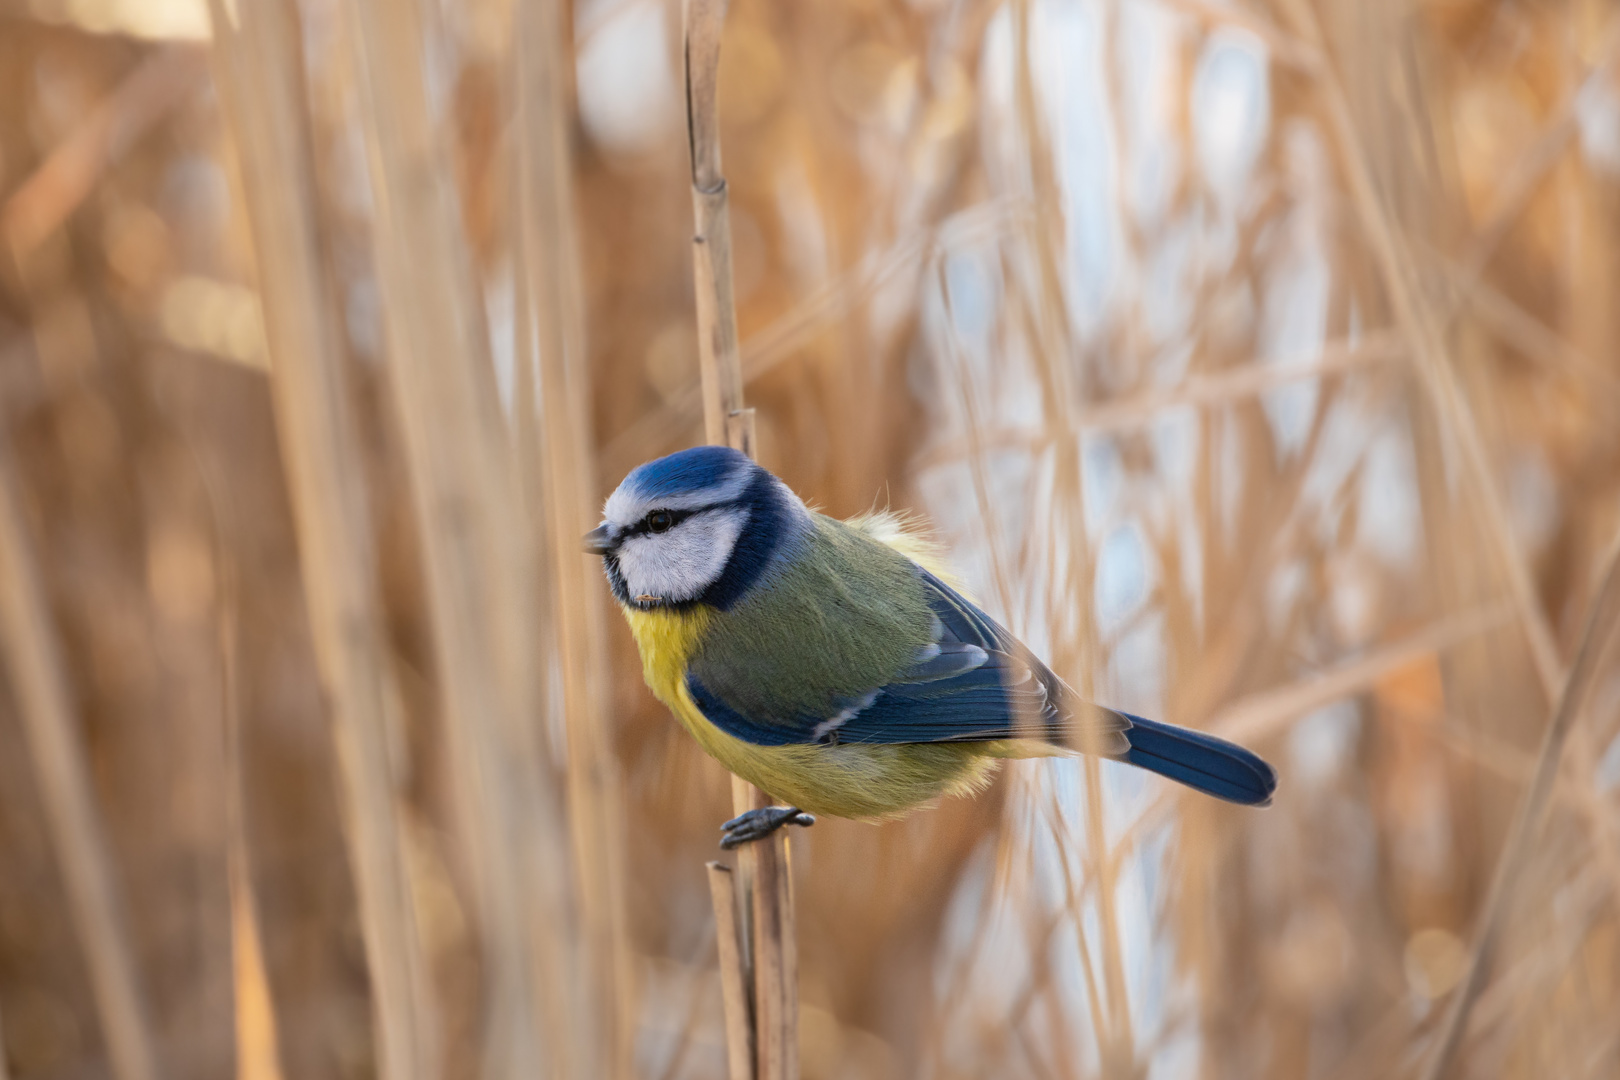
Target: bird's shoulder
x=854 y=642
x=837 y=614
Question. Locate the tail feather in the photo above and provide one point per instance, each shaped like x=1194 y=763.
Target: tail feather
x=1202 y=762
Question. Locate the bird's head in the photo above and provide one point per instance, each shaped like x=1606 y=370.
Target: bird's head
x=699 y=526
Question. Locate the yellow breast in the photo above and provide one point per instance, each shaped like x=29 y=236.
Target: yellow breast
x=667 y=640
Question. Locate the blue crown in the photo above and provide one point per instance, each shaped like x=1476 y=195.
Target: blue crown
x=686 y=471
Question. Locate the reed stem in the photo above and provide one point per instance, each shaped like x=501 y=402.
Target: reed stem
x=1519 y=847
x=478 y=557
x=32 y=656
x=259 y=68
x=764 y=880
x=557 y=457
x=733 y=975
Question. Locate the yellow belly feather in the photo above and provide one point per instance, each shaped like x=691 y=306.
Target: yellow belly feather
x=853 y=781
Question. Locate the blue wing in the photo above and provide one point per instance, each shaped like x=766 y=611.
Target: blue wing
x=977 y=683
x=974 y=683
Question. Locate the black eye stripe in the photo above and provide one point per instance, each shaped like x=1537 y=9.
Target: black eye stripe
x=644 y=526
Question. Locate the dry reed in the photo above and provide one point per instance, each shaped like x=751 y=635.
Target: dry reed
x=259 y=70
x=62 y=775
x=767 y=942
x=1255 y=362
x=479 y=563
x=556 y=456
x=1605 y=611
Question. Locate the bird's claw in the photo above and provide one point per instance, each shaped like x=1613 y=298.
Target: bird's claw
x=758 y=824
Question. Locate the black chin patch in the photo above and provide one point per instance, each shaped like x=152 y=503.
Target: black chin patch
x=615 y=576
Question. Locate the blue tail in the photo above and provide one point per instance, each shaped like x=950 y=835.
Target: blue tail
x=1203 y=762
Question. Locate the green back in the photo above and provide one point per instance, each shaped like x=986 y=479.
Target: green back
x=847 y=616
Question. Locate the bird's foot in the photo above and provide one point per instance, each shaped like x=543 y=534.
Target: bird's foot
x=758 y=824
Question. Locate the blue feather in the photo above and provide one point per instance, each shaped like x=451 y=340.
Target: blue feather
x=738 y=726
x=686 y=472
x=768 y=530
x=953 y=696
x=701 y=469
x=1200 y=761
x=983 y=685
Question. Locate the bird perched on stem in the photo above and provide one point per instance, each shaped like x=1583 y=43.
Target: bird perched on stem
x=821 y=661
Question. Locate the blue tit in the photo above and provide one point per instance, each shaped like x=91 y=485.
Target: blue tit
x=823 y=662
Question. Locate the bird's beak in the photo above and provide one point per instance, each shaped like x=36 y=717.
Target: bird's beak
x=599 y=541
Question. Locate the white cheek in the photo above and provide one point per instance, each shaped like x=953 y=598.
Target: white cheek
x=680 y=564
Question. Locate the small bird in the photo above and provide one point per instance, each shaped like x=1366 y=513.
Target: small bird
x=823 y=662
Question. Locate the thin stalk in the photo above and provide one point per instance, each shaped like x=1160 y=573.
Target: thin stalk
x=697 y=974
x=558 y=459
x=39 y=684
x=1196 y=391
x=259 y=68
x=764 y=876
x=162 y=82
x=1424 y=329
x=478 y=561
x=1261 y=715
x=258 y=1054
x=1052 y=338
x=1519 y=846
x=733 y=977
x=783 y=339
x=721 y=364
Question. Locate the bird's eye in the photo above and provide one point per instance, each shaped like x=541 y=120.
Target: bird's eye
x=659 y=520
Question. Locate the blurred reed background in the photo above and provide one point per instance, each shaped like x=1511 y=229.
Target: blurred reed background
x=1256 y=361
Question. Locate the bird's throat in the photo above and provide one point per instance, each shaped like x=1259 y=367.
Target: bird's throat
x=667 y=637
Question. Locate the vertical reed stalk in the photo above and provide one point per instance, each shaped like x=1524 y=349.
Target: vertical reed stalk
x=769 y=944
x=1425 y=335
x=39 y=684
x=258 y=1055
x=1518 y=848
x=259 y=67
x=733 y=976
x=721 y=364
x=1052 y=340
x=557 y=459
x=478 y=560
